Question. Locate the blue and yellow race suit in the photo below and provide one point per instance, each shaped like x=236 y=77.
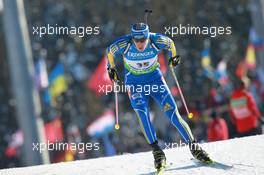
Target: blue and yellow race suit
x=141 y=71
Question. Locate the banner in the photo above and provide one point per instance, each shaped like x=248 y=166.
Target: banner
x=100 y=78
x=103 y=125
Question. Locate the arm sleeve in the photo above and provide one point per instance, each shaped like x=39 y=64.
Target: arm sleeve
x=252 y=105
x=111 y=53
x=164 y=42
x=117 y=47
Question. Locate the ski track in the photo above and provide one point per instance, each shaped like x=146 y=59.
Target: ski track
x=243 y=156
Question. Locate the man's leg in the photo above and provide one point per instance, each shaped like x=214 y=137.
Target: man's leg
x=166 y=101
x=139 y=102
x=164 y=98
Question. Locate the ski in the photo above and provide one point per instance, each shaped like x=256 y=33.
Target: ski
x=161 y=170
x=213 y=164
x=210 y=162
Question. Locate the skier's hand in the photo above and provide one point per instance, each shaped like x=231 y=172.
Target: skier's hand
x=112 y=72
x=174 y=61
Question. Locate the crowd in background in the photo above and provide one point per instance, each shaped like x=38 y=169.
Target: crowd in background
x=79 y=106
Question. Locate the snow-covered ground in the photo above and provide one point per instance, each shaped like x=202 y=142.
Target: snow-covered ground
x=244 y=156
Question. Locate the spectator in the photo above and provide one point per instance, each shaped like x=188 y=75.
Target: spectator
x=244 y=112
x=217 y=129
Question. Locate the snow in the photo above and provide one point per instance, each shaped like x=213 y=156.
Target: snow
x=241 y=156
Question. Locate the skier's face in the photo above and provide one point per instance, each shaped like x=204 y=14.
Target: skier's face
x=141 y=43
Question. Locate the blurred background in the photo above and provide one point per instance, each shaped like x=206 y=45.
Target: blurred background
x=48 y=84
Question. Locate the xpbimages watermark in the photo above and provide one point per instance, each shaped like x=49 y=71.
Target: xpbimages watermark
x=80 y=31
x=60 y=146
x=212 y=31
x=138 y=88
x=171 y=145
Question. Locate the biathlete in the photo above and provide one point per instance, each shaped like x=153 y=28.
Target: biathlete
x=139 y=50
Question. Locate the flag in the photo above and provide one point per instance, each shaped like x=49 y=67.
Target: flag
x=41 y=75
x=161 y=60
x=255 y=40
x=53 y=130
x=206 y=64
x=103 y=125
x=221 y=73
x=250 y=59
x=100 y=78
x=57 y=83
x=206 y=60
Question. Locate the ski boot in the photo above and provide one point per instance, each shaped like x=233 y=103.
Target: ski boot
x=199 y=154
x=159 y=157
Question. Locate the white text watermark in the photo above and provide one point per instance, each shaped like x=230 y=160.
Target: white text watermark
x=80 y=31
x=212 y=31
x=61 y=146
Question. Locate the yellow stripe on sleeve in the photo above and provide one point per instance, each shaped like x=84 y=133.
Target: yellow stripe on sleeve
x=110 y=58
x=172 y=48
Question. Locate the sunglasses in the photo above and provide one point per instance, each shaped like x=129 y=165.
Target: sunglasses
x=141 y=40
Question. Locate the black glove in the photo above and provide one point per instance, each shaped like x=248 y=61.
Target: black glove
x=174 y=61
x=112 y=72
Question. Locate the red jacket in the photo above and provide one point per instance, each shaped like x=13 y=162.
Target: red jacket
x=217 y=130
x=243 y=110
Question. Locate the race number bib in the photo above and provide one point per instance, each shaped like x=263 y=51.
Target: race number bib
x=141 y=65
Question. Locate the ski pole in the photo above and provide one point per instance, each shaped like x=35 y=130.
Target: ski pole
x=116 y=107
x=190 y=115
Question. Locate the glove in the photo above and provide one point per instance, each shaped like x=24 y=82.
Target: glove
x=174 y=61
x=112 y=72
